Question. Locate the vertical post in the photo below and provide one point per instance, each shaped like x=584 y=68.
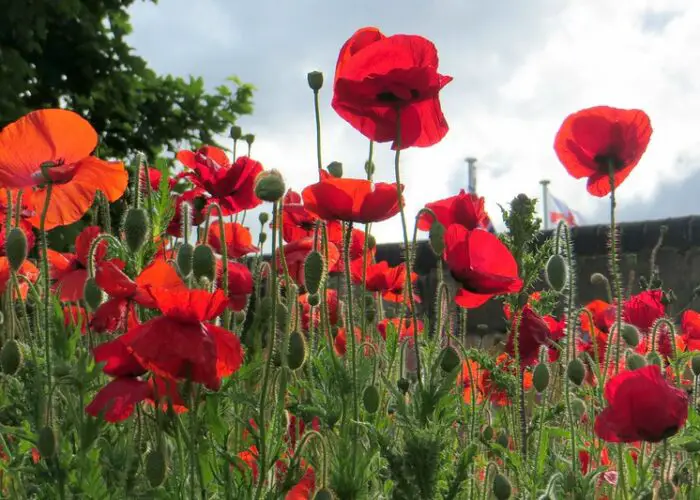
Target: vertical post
x=545 y=199
x=471 y=172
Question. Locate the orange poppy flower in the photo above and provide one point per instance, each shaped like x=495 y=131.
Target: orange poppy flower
x=239 y=241
x=54 y=146
x=27 y=269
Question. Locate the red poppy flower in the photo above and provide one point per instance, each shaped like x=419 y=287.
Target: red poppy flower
x=26 y=213
x=296 y=427
x=603 y=316
x=231 y=186
x=181 y=344
x=403 y=326
x=112 y=315
x=557 y=332
x=481 y=263
x=378 y=77
x=54 y=145
x=331 y=305
x=352 y=200
x=27 y=269
x=466 y=209
x=239 y=242
x=340 y=343
x=384 y=279
x=119 y=360
x=153 y=176
x=299 y=223
x=197 y=202
x=533 y=332
x=642 y=406
x=69 y=271
x=593 y=140
x=302 y=490
x=295 y=254
x=75 y=317
x=240 y=283
x=474 y=378
x=690 y=327
x=642 y=310
x=585 y=460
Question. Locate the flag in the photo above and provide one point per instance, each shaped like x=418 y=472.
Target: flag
x=558 y=210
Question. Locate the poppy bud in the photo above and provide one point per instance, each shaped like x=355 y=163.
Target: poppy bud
x=263 y=218
x=236 y=132
x=92 y=294
x=630 y=334
x=598 y=279
x=369 y=168
x=653 y=358
x=576 y=371
x=436 y=237
x=635 y=361
x=695 y=365
x=156 y=468
x=371 y=241
x=335 y=168
x=487 y=433
x=502 y=440
x=578 y=408
x=262 y=237
x=501 y=487
x=540 y=377
x=449 y=359
x=16 y=248
x=297 y=351
x=314 y=271
x=656 y=283
x=324 y=494
x=269 y=186
x=184 y=259
x=136 y=228
x=10 y=357
x=667 y=491
x=249 y=139
x=643 y=283
x=403 y=384
x=556 y=273
x=370 y=399
x=203 y=263
x=691 y=446
x=282 y=316
x=46 y=442
x=314 y=300
x=315 y=79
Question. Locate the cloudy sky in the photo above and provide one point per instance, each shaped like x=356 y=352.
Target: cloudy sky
x=519 y=68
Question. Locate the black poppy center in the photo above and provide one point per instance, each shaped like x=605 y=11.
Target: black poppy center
x=389 y=97
x=607 y=160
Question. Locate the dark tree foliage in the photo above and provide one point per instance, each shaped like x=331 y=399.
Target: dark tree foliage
x=74 y=54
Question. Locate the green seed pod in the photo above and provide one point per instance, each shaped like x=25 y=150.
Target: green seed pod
x=540 y=377
x=11 y=357
x=46 y=442
x=314 y=300
x=598 y=279
x=449 y=359
x=269 y=186
x=335 y=168
x=184 y=259
x=264 y=218
x=370 y=399
x=315 y=79
x=576 y=371
x=156 y=468
x=501 y=487
x=634 y=361
x=653 y=358
x=92 y=294
x=203 y=262
x=403 y=385
x=487 y=433
x=578 y=408
x=16 y=248
x=314 y=271
x=236 y=132
x=297 y=351
x=556 y=273
x=630 y=334
x=324 y=494
x=282 y=316
x=436 y=236
x=136 y=228
x=695 y=365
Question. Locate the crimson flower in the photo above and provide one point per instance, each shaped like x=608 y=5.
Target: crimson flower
x=240 y=283
x=643 y=309
x=642 y=406
x=690 y=327
x=481 y=263
x=27 y=269
x=352 y=200
x=378 y=77
x=197 y=201
x=404 y=327
x=299 y=223
x=239 y=242
x=340 y=343
x=466 y=209
x=183 y=344
x=592 y=141
x=384 y=279
x=331 y=305
x=25 y=215
x=231 y=186
x=533 y=332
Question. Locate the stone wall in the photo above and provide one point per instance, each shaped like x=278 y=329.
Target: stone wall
x=678 y=261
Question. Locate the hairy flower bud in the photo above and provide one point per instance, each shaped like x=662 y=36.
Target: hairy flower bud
x=46 y=442
x=314 y=299
x=598 y=279
x=695 y=365
x=324 y=494
x=501 y=487
x=449 y=359
x=635 y=361
x=487 y=433
x=315 y=80
x=10 y=357
x=92 y=294
x=269 y=186
x=578 y=408
x=369 y=168
x=136 y=228
x=297 y=353
x=370 y=399
x=203 y=262
x=630 y=334
x=314 y=271
x=156 y=468
x=556 y=273
x=540 y=377
x=184 y=259
x=436 y=236
x=16 y=248
x=576 y=371
x=653 y=358
x=335 y=168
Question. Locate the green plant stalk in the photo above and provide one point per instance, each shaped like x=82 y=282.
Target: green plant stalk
x=350 y=338
x=317 y=115
x=404 y=227
x=268 y=363
x=615 y=271
x=224 y=254
x=571 y=347
x=47 y=297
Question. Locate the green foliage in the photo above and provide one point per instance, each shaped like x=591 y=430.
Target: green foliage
x=75 y=54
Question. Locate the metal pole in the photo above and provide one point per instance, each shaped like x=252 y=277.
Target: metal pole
x=545 y=198
x=471 y=172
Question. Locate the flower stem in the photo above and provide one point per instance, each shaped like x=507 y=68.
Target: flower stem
x=350 y=327
x=47 y=295
x=317 y=114
x=614 y=270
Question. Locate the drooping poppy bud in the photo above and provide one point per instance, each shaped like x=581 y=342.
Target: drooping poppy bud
x=184 y=259
x=92 y=294
x=540 y=377
x=324 y=494
x=578 y=408
x=695 y=365
x=203 y=262
x=370 y=399
x=315 y=80
x=136 y=228
x=449 y=359
x=46 y=443
x=556 y=273
x=10 y=357
x=501 y=487
x=576 y=371
x=403 y=385
x=16 y=248
x=487 y=433
x=335 y=168
x=269 y=186
x=630 y=334
x=436 y=237
x=156 y=467
x=314 y=299
x=635 y=361
x=296 y=356
x=653 y=358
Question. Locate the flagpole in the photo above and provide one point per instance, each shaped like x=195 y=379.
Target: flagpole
x=471 y=173
x=545 y=197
